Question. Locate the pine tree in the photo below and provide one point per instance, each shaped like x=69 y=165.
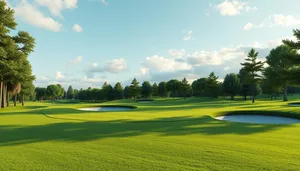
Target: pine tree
x=119 y=92
x=146 y=89
x=185 y=87
x=134 y=89
x=252 y=66
x=70 y=93
x=212 y=85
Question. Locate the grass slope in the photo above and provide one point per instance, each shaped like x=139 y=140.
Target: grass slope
x=166 y=134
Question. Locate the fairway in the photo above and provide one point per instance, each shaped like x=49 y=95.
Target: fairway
x=166 y=134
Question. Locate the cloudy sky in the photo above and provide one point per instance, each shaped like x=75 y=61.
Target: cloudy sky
x=87 y=42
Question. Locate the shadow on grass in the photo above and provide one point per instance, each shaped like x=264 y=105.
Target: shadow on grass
x=85 y=131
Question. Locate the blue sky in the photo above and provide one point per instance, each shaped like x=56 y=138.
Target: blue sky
x=87 y=42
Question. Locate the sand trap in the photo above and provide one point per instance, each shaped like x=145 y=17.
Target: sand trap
x=260 y=119
x=106 y=109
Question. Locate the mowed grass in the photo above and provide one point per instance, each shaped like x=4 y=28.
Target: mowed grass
x=167 y=134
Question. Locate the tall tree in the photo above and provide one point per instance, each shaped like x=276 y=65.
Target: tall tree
x=27 y=90
x=185 y=87
x=253 y=67
x=70 y=93
x=212 y=85
x=278 y=71
x=119 y=92
x=53 y=92
x=294 y=58
x=14 y=66
x=155 y=89
x=135 y=89
x=173 y=86
x=162 y=89
x=146 y=89
x=231 y=85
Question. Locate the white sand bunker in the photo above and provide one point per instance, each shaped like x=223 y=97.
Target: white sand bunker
x=259 y=119
x=106 y=109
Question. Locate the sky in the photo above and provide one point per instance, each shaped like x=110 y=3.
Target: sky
x=85 y=43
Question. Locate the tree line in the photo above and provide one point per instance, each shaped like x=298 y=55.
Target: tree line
x=281 y=76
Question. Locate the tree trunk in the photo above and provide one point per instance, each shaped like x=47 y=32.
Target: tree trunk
x=253 y=99
x=15 y=100
x=7 y=97
x=22 y=99
x=285 y=98
x=4 y=89
x=1 y=86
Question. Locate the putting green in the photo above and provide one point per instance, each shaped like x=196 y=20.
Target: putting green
x=166 y=134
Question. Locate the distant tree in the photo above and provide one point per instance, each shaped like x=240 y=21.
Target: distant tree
x=76 y=92
x=61 y=91
x=70 y=93
x=40 y=93
x=231 y=85
x=110 y=92
x=185 y=88
x=162 y=89
x=127 y=92
x=146 y=89
x=134 y=89
x=277 y=72
x=119 y=92
x=173 y=86
x=53 y=92
x=198 y=87
x=155 y=90
x=212 y=86
x=252 y=66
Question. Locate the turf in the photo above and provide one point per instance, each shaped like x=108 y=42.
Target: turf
x=166 y=134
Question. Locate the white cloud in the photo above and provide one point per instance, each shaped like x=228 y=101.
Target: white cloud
x=59 y=75
x=277 y=42
x=204 y=58
x=104 y=2
x=188 y=36
x=56 y=6
x=77 y=28
x=176 y=53
x=114 y=66
x=287 y=21
x=33 y=16
x=77 y=60
x=275 y=20
x=162 y=64
x=233 y=7
x=248 y=26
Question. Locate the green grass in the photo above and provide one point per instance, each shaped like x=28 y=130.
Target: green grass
x=166 y=134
